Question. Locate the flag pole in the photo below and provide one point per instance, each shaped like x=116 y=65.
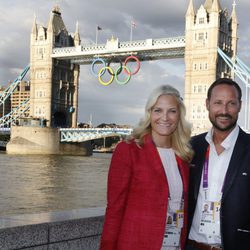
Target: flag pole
x=131 y=31
x=98 y=28
x=96 y=35
x=132 y=25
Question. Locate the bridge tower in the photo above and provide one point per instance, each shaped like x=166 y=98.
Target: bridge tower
x=206 y=29
x=53 y=83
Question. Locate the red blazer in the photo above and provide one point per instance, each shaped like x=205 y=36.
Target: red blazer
x=138 y=198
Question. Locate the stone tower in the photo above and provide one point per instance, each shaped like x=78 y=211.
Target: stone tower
x=53 y=83
x=207 y=29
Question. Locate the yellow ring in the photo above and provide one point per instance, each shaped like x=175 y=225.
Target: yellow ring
x=101 y=72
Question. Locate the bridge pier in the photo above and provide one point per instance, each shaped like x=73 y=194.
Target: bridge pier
x=43 y=140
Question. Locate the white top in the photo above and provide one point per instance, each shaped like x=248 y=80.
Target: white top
x=217 y=168
x=173 y=174
x=174 y=182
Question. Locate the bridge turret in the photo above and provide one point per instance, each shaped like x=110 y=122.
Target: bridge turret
x=50 y=29
x=190 y=15
x=214 y=15
x=190 y=9
x=234 y=15
x=233 y=27
x=208 y=4
x=209 y=31
x=216 y=7
x=212 y=5
x=56 y=24
x=77 y=39
x=34 y=30
x=53 y=83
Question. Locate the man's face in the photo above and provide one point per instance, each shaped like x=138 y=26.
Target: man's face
x=206 y=207
x=223 y=107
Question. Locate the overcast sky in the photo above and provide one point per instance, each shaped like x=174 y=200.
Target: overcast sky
x=154 y=19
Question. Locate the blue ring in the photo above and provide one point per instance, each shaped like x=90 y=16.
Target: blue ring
x=93 y=65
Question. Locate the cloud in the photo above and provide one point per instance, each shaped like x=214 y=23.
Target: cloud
x=154 y=19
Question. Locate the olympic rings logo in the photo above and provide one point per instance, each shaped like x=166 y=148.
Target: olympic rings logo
x=114 y=74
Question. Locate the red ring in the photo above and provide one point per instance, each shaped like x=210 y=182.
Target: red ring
x=138 y=64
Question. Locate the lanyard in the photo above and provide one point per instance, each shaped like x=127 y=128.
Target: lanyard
x=205 y=171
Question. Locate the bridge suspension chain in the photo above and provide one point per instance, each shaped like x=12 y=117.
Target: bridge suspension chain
x=243 y=72
x=10 y=89
x=15 y=114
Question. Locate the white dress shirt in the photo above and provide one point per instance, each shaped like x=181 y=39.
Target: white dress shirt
x=217 y=168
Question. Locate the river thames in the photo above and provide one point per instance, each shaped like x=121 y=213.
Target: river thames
x=45 y=183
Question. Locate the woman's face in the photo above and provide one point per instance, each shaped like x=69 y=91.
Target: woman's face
x=165 y=115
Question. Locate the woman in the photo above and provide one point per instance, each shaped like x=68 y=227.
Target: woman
x=148 y=179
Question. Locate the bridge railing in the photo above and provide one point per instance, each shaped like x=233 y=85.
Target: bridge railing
x=3 y=143
x=5 y=131
x=86 y=134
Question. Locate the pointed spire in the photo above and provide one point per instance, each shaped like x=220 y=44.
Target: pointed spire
x=77 y=39
x=190 y=10
x=77 y=27
x=216 y=7
x=34 y=26
x=56 y=24
x=50 y=23
x=56 y=10
x=233 y=15
x=208 y=4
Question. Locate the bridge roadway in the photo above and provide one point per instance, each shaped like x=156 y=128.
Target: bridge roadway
x=149 y=49
x=83 y=134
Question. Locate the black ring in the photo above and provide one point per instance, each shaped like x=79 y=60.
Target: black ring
x=113 y=59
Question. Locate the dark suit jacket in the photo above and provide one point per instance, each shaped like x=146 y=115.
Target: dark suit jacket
x=235 y=204
x=138 y=198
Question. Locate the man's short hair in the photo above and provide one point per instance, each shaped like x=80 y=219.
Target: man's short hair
x=226 y=81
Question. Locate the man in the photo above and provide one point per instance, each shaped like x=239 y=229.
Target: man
x=205 y=209
x=220 y=175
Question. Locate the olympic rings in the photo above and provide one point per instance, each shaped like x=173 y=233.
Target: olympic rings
x=101 y=73
x=116 y=75
x=138 y=64
x=119 y=69
x=93 y=65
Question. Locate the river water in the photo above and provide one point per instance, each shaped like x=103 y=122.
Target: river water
x=34 y=184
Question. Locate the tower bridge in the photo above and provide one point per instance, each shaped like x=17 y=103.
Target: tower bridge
x=209 y=49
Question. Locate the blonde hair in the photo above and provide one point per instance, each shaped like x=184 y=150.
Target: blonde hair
x=180 y=137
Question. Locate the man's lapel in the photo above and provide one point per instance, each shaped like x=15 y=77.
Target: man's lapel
x=235 y=163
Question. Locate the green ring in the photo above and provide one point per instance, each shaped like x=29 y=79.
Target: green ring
x=128 y=78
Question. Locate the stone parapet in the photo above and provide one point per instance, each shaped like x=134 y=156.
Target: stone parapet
x=69 y=230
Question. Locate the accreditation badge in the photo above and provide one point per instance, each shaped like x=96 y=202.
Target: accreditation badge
x=174 y=225
x=210 y=218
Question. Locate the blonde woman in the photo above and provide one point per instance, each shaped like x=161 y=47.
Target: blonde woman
x=148 y=179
